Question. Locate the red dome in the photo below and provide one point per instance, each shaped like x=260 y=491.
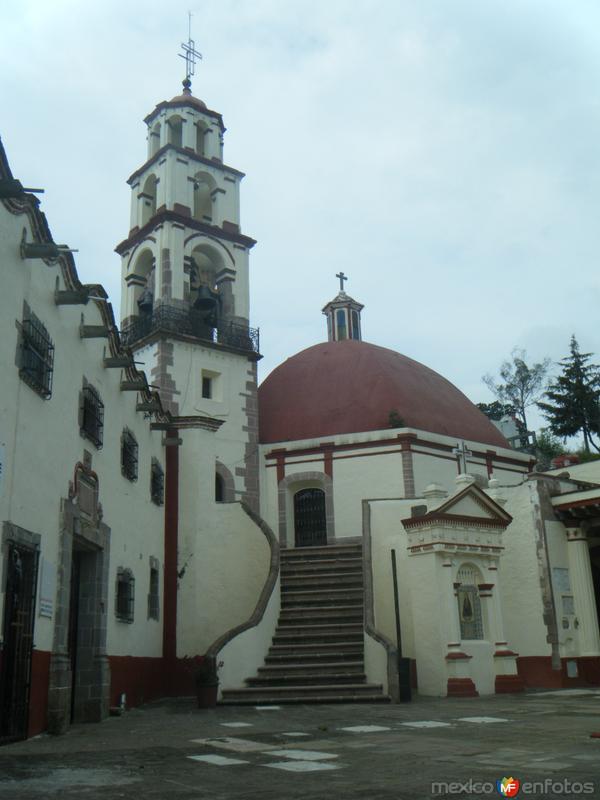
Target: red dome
x=350 y=386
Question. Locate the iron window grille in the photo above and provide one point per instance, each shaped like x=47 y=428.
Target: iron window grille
x=153 y=595
x=129 y=456
x=92 y=415
x=157 y=483
x=36 y=362
x=125 y=598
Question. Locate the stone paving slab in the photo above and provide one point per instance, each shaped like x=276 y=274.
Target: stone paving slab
x=379 y=751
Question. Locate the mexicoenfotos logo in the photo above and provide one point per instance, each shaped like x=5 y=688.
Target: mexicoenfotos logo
x=508 y=787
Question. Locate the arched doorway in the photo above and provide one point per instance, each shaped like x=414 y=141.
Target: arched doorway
x=310 y=524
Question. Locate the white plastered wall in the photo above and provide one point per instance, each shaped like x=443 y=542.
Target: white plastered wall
x=42 y=443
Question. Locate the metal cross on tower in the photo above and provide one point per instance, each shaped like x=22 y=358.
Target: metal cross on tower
x=342 y=278
x=462 y=452
x=189 y=51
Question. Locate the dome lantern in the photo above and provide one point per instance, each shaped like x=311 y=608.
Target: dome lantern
x=343 y=315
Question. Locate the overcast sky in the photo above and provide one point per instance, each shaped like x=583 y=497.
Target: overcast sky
x=443 y=153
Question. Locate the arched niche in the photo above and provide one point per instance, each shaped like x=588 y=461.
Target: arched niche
x=203 y=206
x=154 y=140
x=224 y=484
x=201 y=138
x=470 y=611
x=148 y=199
x=175 y=128
x=141 y=281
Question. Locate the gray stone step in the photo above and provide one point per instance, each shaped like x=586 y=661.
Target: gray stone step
x=324 y=628
x=306 y=679
x=318 y=657
x=296 y=668
x=327 y=580
x=318 y=567
x=304 y=694
x=320 y=552
x=322 y=648
x=322 y=618
x=321 y=597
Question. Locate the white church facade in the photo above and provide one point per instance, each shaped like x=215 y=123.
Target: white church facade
x=156 y=504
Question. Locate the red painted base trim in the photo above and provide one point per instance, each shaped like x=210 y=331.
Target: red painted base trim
x=38 y=693
x=509 y=684
x=537 y=672
x=458 y=657
x=462 y=687
x=141 y=679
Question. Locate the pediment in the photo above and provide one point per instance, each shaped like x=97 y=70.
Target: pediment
x=470 y=505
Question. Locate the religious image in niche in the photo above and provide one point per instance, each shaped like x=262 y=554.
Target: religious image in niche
x=466 y=607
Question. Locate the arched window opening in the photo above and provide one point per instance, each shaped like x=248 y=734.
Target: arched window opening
x=175 y=124
x=469 y=603
x=200 y=135
x=148 y=199
x=203 y=204
x=355 y=325
x=143 y=284
x=205 y=297
x=219 y=488
x=310 y=523
x=342 y=330
x=155 y=140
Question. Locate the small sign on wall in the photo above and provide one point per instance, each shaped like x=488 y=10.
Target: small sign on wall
x=47 y=589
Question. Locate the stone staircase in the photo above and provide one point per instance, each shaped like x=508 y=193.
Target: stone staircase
x=317 y=652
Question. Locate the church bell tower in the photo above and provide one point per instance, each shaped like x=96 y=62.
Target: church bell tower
x=184 y=277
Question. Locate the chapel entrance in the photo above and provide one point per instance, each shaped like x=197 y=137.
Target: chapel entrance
x=310 y=523
x=17 y=634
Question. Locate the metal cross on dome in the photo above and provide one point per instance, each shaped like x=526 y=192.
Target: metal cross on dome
x=342 y=278
x=462 y=452
x=189 y=51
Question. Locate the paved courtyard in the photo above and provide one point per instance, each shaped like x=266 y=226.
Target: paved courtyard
x=171 y=750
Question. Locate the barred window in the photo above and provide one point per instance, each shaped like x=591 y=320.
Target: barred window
x=125 y=598
x=92 y=415
x=129 y=455
x=36 y=357
x=469 y=603
x=154 y=593
x=157 y=483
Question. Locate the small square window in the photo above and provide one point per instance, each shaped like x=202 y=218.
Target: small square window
x=129 y=456
x=206 y=387
x=91 y=415
x=125 y=598
x=157 y=483
x=36 y=356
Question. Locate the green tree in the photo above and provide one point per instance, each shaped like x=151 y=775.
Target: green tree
x=547 y=446
x=572 y=405
x=520 y=385
x=496 y=410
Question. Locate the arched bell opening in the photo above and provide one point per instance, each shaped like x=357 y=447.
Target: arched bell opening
x=148 y=199
x=204 y=208
x=175 y=124
x=143 y=284
x=204 y=295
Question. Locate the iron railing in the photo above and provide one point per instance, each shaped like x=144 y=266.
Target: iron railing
x=191 y=323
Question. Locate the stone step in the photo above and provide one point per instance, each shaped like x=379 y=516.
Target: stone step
x=293 y=639
x=306 y=694
x=301 y=566
x=320 y=617
x=321 y=551
x=325 y=628
x=329 y=579
x=296 y=667
x=316 y=649
x=302 y=679
x=320 y=599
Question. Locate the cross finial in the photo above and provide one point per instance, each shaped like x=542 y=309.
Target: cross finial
x=462 y=452
x=190 y=54
x=342 y=278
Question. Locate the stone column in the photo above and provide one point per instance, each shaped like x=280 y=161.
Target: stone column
x=582 y=585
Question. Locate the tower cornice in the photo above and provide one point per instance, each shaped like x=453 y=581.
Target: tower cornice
x=181 y=102
x=184 y=151
x=166 y=215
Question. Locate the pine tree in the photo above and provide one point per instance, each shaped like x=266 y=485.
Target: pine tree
x=572 y=405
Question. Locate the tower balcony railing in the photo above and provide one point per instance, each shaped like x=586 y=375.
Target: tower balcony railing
x=190 y=322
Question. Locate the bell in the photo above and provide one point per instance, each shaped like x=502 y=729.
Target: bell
x=145 y=302
x=206 y=300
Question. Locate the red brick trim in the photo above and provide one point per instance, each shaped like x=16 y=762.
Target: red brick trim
x=458 y=656
x=506 y=653
x=509 y=684
x=461 y=687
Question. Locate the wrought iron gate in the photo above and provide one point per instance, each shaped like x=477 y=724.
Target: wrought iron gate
x=309 y=518
x=19 y=610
